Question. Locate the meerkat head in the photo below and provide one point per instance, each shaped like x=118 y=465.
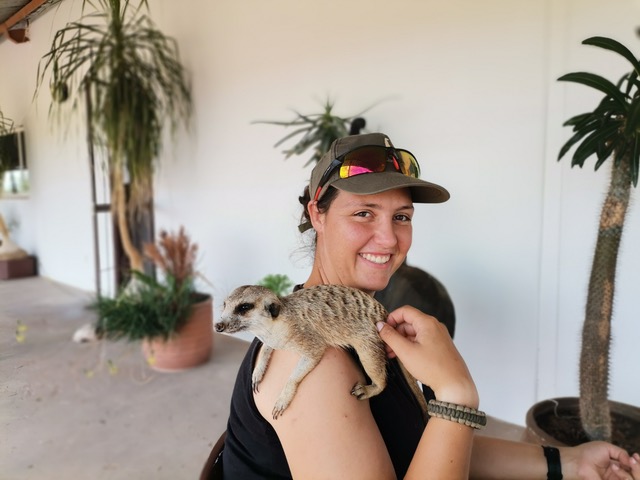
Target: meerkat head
x=249 y=307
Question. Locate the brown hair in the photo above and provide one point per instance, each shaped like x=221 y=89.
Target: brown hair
x=323 y=203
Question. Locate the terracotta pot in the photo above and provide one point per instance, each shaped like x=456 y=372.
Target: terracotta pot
x=190 y=346
x=556 y=422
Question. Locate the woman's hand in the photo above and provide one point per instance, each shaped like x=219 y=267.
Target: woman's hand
x=425 y=348
x=599 y=460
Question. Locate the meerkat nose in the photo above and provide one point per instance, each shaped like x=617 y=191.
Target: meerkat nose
x=219 y=327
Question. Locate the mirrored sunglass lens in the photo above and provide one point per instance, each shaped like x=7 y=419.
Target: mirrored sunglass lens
x=363 y=160
x=408 y=164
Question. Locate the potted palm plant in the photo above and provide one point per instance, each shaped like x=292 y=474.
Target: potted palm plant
x=610 y=132
x=172 y=319
x=129 y=75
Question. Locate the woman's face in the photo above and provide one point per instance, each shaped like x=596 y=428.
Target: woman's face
x=363 y=239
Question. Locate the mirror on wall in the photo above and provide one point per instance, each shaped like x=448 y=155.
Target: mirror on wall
x=15 y=179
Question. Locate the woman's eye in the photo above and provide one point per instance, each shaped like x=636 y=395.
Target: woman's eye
x=362 y=214
x=403 y=218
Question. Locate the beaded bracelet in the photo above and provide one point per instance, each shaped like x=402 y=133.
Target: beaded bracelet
x=457 y=413
x=554 y=467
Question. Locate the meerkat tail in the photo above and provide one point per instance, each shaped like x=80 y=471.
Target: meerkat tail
x=415 y=388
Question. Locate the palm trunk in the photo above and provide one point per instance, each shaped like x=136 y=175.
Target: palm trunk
x=596 y=333
x=120 y=211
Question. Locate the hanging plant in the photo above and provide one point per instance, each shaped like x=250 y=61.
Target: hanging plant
x=132 y=76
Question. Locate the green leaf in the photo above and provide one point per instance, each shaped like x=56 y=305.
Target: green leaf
x=631 y=80
x=577 y=119
x=595 y=81
x=573 y=140
x=614 y=46
x=604 y=153
x=632 y=125
x=593 y=142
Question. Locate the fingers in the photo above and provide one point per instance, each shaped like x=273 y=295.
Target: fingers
x=411 y=322
x=392 y=338
x=620 y=473
x=627 y=469
x=406 y=315
x=635 y=466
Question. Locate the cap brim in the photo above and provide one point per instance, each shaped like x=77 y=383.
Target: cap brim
x=370 y=183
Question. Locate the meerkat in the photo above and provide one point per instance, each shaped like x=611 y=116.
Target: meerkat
x=309 y=321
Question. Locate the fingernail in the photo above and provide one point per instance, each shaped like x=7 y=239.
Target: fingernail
x=615 y=466
x=634 y=459
x=379 y=325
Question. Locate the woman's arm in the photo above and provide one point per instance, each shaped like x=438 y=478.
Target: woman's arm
x=494 y=458
x=326 y=432
x=425 y=348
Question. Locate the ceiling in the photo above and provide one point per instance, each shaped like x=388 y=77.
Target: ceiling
x=16 y=15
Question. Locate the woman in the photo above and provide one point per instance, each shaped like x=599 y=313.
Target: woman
x=360 y=204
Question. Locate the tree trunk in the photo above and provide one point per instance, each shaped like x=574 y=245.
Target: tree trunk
x=120 y=211
x=596 y=333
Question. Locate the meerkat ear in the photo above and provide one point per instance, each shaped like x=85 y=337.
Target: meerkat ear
x=274 y=309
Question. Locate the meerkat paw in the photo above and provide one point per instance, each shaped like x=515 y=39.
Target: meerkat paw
x=362 y=392
x=255 y=381
x=264 y=355
x=279 y=408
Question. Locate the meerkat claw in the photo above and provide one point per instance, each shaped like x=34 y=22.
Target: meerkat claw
x=358 y=391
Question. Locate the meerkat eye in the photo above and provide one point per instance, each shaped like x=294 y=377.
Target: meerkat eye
x=244 y=308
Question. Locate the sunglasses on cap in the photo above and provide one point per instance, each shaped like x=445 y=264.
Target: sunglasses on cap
x=372 y=159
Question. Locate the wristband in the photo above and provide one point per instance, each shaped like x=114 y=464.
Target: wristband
x=554 y=467
x=457 y=413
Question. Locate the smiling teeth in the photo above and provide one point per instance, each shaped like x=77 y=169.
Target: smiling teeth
x=380 y=259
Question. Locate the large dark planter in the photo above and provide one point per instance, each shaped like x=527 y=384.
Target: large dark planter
x=556 y=422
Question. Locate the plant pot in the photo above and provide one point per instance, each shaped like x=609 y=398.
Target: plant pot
x=190 y=346
x=556 y=422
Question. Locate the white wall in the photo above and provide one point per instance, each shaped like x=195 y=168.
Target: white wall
x=468 y=86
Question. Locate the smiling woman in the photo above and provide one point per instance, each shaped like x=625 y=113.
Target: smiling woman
x=359 y=202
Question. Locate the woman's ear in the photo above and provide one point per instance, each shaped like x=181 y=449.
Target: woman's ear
x=317 y=218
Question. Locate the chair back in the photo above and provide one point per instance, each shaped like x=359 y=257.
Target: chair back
x=212 y=469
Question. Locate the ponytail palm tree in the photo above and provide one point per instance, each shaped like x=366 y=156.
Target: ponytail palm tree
x=133 y=81
x=610 y=132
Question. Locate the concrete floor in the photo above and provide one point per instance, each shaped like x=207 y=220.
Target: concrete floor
x=80 y=411
x=96 y=410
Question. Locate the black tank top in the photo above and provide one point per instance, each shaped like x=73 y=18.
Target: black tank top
x=252 y=448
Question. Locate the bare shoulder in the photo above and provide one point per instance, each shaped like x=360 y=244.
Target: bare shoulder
x=326 y=432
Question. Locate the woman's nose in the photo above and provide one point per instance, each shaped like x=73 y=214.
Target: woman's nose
x=386 y=234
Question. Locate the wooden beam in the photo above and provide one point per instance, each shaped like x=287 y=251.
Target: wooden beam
x=20 y=15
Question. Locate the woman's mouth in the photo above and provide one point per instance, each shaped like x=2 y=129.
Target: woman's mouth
x=379 y=259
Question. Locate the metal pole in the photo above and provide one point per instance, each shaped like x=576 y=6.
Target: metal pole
x=92 y=165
